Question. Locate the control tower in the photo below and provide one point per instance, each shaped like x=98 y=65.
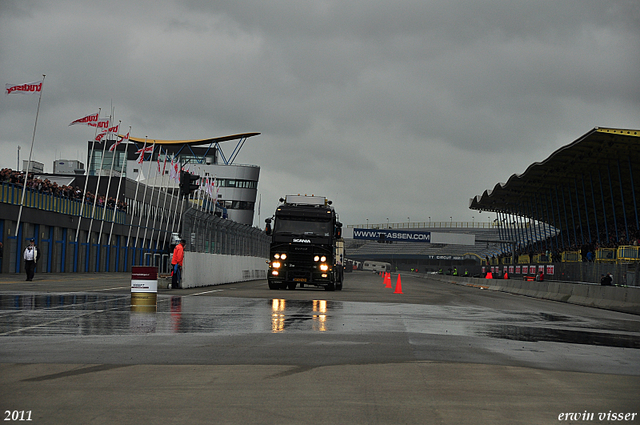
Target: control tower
x=236 y=185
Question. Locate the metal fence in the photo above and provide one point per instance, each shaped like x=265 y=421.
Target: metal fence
x=12 y=194
x=207 y=233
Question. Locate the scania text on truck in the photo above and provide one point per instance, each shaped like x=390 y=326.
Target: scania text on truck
x=306 y=244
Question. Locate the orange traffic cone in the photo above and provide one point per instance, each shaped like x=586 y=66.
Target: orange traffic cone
x=387 y=280
x=398 y=287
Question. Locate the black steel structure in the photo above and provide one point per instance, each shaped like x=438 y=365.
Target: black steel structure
x=589 y=190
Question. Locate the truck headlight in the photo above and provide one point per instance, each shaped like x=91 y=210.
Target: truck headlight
x=275 y=264
x=283 y=256
x=316 y=258
x=324 y=267
x=323 y=258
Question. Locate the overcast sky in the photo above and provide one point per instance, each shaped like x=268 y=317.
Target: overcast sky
x=399 y=110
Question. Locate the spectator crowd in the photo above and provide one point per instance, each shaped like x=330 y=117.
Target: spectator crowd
x=9 y=176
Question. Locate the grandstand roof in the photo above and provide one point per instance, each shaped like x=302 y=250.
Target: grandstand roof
x=195 y=142
x=599 y=170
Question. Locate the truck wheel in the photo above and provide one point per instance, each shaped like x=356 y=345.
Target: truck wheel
x=330 y=287
x=291 y=286
x=339 y=286
x=273 y=285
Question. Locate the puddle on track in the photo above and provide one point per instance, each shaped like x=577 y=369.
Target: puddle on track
x=110 y=314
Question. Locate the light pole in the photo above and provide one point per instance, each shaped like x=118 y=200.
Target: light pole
x=387 y=222
x=18 y=165
x=408 y=222
x=367 y=223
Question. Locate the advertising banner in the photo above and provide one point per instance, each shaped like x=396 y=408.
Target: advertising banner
x=392 y=235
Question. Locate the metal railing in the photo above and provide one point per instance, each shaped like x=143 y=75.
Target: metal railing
x=428 y=225
x=210 y=234
x=628 y=253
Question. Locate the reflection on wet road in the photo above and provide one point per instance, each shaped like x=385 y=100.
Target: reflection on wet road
x=102 y=314
x=282 y=319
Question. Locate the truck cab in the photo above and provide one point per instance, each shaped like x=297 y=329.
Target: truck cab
x=305 y=244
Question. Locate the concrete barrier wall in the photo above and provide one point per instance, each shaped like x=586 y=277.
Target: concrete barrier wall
x=617 y=298
x=213 y=269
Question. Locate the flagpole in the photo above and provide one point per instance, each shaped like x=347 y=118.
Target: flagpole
x=115 y=150
x=155 y=216
x=164 y=201
x=182 y=209
x=197 y=195
x=26 y=172
x=144 y=197
x=201 y=196
x=170 y=204
x=145 y=193
x=135 y=202
x=173 y=223
x=95 y=199
x=86 y=177
x=104 y=211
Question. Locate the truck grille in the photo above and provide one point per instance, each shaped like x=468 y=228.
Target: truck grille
x=301 y=259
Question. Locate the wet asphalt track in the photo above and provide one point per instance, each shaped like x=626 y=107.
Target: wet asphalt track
x=436 y=349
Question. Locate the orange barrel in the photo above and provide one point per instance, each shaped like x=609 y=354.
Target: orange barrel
x=144 y=288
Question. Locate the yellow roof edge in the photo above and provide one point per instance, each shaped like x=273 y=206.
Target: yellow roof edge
x=194 y=141
x=621 y=131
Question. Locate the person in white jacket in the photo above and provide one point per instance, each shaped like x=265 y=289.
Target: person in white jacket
x=30 y=258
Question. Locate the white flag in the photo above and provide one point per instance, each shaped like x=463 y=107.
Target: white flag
x=101 y=123
x=27 y=88
x=88 y=120
x=109 y=130
x=124 y=139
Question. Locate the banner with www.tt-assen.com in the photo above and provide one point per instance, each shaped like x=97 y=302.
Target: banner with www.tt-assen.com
x=392 y=235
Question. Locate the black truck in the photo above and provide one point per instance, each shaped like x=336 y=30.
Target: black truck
x=306 y=244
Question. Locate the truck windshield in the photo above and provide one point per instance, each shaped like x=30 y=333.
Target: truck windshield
x=300 y=226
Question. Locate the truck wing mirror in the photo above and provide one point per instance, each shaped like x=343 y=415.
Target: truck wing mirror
x=267 y=229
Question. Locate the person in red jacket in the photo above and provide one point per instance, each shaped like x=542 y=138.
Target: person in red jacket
x=176 y=261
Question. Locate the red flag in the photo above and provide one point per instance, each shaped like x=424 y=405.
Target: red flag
x=27 y=88
x=88 y=120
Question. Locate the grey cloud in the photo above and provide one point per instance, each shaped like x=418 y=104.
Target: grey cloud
x=394 y=109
